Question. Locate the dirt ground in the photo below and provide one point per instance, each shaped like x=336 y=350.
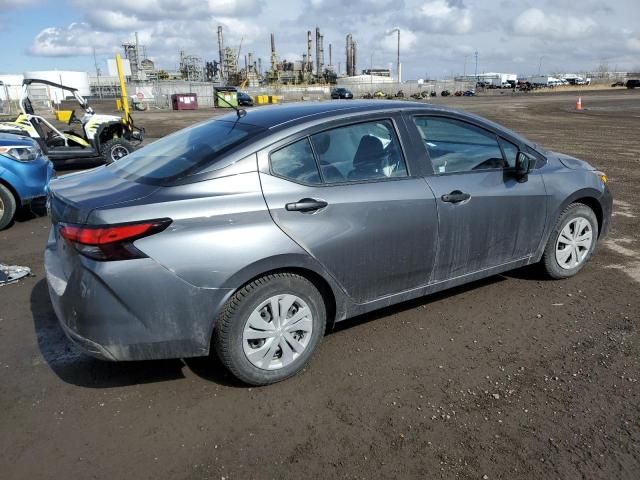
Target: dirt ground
x=512 y=377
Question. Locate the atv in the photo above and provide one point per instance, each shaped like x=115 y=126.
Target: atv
x=105 y=136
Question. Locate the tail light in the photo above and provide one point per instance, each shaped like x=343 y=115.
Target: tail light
x=111 y=242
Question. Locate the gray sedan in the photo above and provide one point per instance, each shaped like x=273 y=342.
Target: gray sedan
x=252 y=233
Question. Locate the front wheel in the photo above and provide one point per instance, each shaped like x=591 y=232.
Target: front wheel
x=269 y=329
x=115 y=149
x=571 y=242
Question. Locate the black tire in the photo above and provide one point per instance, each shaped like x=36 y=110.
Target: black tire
x=7 y=207
x=549 y=261
x=228 y=331
x=111 y=147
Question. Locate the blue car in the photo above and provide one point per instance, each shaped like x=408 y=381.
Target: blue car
x=24 y=175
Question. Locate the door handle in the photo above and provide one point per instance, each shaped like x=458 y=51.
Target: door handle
x=455 y=197
x=306 y=205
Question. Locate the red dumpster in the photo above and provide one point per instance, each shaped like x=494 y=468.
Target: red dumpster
x=184 y=101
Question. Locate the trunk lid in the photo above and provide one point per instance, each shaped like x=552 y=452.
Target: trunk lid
x=73 y=197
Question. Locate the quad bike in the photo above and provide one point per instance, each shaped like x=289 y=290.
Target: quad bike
x=105 y=136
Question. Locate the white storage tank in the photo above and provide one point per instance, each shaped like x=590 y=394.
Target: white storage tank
x=11 y=87
x=78 y=80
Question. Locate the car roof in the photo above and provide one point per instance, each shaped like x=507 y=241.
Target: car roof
x=289 y=114
x=276 y=117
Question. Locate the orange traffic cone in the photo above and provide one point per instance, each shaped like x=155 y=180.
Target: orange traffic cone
x=579 y=104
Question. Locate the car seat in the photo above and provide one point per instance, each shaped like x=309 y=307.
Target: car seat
x=321 y=144
x=367 y=162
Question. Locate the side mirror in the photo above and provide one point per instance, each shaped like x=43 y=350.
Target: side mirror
x=523 y=165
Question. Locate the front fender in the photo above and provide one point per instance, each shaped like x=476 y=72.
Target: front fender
x=27 y=180
x=556 y=209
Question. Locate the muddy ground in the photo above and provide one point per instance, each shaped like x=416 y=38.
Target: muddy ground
x=515 y=376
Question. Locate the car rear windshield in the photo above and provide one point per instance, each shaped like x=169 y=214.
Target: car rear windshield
x=184 y=152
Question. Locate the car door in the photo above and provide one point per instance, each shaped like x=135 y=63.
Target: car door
x=486 y=216
x=346 y=195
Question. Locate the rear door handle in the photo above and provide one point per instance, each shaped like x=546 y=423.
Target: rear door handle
x=306 y=205
x=455 y=197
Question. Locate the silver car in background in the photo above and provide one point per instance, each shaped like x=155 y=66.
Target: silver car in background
x=251 y=234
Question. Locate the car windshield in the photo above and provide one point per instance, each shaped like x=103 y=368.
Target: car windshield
x=184 y=152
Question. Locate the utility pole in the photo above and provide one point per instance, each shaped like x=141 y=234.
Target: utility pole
x=95 y=62
x=476 y=54
x=464 y=74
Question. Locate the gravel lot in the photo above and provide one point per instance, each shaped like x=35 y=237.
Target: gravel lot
x=511 y=377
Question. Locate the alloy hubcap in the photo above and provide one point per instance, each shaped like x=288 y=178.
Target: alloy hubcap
x=118 y=151
x=277 y=332
x=1 y=208
x=574 y=243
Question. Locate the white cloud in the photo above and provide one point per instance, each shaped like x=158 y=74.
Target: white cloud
x=445 y=17
x=76 y=39
x=408 y=40
x=535 y=22
x=633 y=44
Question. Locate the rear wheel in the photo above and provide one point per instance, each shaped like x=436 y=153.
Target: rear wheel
x=115 y=149
x=7 y=207
x=571 y=242
x=270 y=328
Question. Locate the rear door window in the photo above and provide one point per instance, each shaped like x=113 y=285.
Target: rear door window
x=296 y=162
x=359 y=152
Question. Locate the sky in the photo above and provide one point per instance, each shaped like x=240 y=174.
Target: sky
x=438 y=38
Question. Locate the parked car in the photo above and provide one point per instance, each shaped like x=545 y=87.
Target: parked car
x=340 y=92
x=445 y=93
x=24 y=175
x=469 y=93
x=250 y=235
x=618 y=84
x=631 y=84
x=244 y=99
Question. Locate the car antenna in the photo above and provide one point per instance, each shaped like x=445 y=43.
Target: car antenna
x=241 y=112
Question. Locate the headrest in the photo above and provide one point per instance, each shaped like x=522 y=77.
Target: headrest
x=370 y=152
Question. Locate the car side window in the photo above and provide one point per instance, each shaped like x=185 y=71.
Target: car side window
x=296 y=162
x=510 y=152
x=363 y=151
x=456 y=146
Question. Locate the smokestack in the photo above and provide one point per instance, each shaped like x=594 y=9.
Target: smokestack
x=351 y=56
x=321 y=66
x=309 y=43
x=220 y=52
x=318 y=51
x=273 y=53
x=354 y=49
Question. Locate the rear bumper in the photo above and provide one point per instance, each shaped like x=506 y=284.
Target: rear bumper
x=129 y=310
